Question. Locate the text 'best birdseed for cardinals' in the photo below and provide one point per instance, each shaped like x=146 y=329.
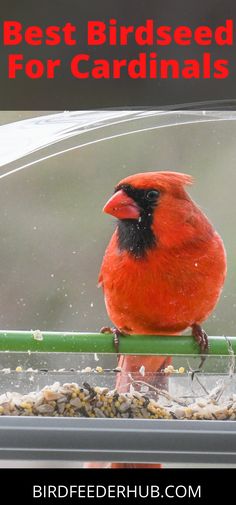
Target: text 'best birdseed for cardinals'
x=146 y=41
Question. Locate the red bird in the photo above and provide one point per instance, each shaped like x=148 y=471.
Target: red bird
x=165 y=266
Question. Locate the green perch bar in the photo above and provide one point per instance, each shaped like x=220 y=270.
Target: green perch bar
x=35 y=341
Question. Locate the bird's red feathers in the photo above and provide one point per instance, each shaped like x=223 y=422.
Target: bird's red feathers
x=179 y=281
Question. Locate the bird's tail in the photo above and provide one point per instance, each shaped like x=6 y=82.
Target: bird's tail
x=146 y=369
x=142 y=368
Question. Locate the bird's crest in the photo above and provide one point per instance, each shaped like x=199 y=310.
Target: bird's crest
x=165 y=180
x=175 y=178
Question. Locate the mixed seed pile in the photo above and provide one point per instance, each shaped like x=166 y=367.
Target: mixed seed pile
x=73 y=400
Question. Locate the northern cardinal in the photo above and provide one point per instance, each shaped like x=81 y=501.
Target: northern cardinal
x=165 y=266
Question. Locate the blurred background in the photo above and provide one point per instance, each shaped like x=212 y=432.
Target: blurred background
x=52 y=230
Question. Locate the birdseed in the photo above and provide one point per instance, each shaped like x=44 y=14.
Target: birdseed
x=74 y=400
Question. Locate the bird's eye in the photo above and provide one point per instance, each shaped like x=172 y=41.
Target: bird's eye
x=152 y=195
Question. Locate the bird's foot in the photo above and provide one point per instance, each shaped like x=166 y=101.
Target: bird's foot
x=116 y=336
x=202 y=339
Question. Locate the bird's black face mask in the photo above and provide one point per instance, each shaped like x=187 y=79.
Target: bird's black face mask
x=136 y=235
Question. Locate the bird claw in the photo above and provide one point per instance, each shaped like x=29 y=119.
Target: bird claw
x=116 y=336
x=202 y=339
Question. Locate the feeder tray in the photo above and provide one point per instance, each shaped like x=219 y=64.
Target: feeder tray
x=34 y=361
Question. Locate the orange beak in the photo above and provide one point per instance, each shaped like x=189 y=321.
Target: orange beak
x=122 y=206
